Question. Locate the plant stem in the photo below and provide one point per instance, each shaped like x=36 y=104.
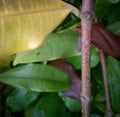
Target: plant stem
x=86 y=16
x=109 y=111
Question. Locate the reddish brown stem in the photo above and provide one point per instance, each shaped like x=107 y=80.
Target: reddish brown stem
x=109 y=111
x=86 y=16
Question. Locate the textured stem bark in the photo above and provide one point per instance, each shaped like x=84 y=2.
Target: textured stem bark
x=109 y=111
x=86 y=16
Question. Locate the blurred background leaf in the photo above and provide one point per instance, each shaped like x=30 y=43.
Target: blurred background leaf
x=20 y=99
x=46 y=108
x=114 y=82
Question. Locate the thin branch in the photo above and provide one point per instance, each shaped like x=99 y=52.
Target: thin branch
x=109 y=111
x=86 y=16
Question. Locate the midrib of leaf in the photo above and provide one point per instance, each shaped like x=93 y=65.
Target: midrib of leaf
x=27 y=78
x=39 y=11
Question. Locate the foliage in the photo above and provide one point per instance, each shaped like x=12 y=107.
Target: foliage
x=40 y=77
x=57 y=45
x=21 y=23
x=31 y=71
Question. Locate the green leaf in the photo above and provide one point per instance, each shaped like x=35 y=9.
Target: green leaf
x=75 y=61
x=113 y=15
x=102 y=8
x=114 y=82
x=57 y=45
x=97 y=78
x=26 y=23
x=100 y=97
x=94 y=115
x=99 y=101
x=100 y=106
x=117 y=115
x=72 y=104
x=113 y=1
x=20 y=99
x=115 y=28
x=37 y=77
x=70 y=21
x=49 y=106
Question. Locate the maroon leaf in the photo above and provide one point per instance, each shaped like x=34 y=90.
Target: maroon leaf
x=105 y=40
x=75 y=90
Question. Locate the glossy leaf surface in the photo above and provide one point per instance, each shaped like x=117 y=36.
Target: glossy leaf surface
x=45 y=107
x=114 y=82
x=57 y=45
x=75 y=61
x=72 y=104
x=113 y=1
x=24 y=24
x=37 y=77
x=20 y=99
x=115 y=28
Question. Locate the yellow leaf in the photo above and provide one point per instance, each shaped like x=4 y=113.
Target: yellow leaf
x=24 y=24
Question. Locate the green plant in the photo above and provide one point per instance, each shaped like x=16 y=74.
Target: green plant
x=41 y=86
